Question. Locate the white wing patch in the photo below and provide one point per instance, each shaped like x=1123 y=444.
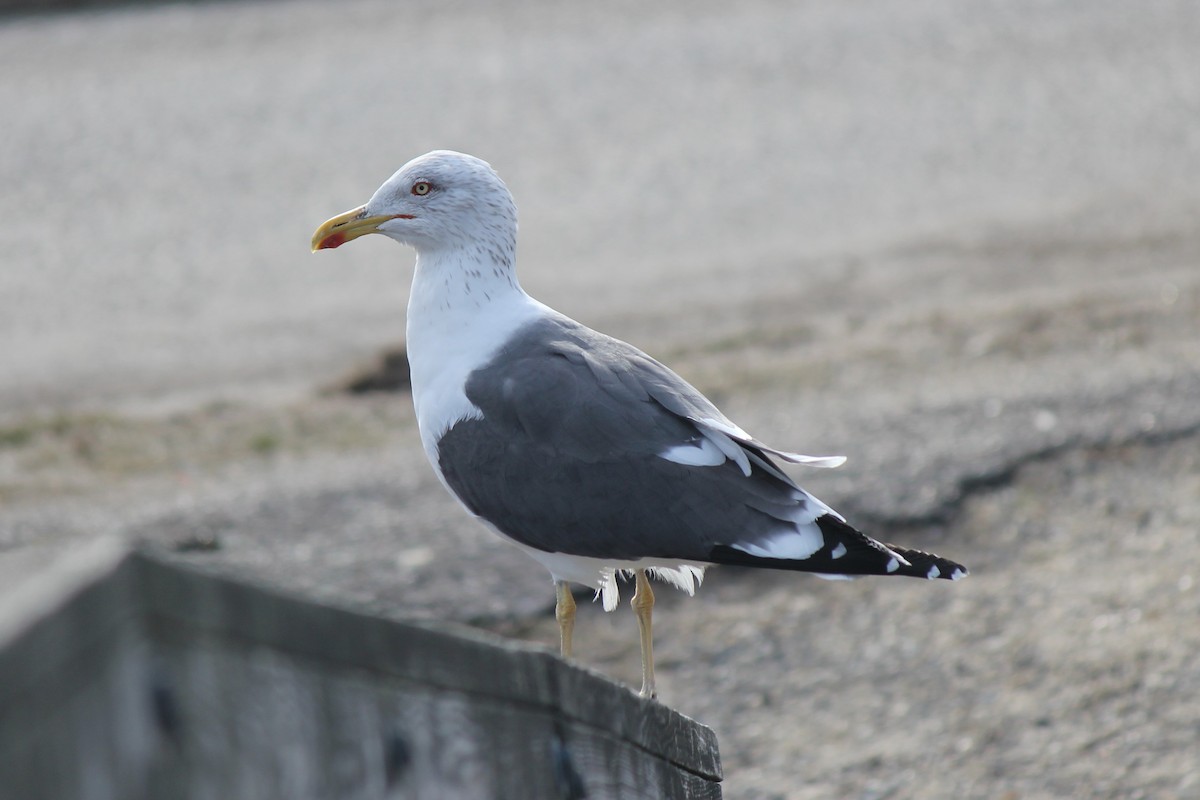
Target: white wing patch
x=708 y=425
x=724 y=440
x=710 y=451
x=702 y=453
x=793 y=545
x=732 y=450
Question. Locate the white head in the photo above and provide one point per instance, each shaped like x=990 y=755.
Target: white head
x=440 y=201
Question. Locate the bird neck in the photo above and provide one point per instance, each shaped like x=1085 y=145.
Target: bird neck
x=455 y=291
x=460 y=310
x=467 y=280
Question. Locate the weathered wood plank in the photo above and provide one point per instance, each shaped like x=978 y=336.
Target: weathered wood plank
x=149 y=679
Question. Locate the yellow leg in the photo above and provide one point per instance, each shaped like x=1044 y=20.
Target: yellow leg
x=564 y=612
x=643 y=604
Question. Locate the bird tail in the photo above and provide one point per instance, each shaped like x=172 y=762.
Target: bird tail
x=848 y=552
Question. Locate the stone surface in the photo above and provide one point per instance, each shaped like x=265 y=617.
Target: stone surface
x=151 y=680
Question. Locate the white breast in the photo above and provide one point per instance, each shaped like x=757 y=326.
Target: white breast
x=455 y=327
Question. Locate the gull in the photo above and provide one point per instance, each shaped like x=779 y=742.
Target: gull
x=580 y=449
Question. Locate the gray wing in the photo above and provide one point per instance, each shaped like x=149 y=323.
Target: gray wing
x=590 y=447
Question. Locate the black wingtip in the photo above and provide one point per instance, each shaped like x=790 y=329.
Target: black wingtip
x=848 y=551
x=928 y=565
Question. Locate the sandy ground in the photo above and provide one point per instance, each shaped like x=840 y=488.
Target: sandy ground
x=955 y=243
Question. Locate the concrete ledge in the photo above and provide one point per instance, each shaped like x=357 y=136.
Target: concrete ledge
x=127 y=676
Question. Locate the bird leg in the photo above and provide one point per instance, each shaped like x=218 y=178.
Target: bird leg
x=564 y=612
x=643 y=604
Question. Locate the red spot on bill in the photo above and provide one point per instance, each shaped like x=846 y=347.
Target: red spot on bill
x=331 y=241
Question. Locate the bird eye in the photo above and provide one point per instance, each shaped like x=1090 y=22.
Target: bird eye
x=421 y=188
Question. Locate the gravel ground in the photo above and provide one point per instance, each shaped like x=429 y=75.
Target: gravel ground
x=955 y=243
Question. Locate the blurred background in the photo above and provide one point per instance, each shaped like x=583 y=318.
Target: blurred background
x=956 y=242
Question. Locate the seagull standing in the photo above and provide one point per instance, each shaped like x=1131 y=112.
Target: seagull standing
x=577 y=447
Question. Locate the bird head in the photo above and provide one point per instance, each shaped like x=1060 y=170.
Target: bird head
x=439 y=200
